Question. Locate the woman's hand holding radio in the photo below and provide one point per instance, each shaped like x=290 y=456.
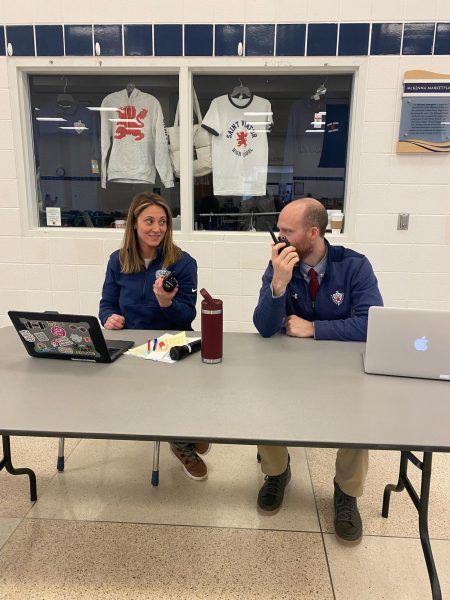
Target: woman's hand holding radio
x=163 y=297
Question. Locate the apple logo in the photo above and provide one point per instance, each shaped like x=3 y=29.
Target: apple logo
x=421 y=344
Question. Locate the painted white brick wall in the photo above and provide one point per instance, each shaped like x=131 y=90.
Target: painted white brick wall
x=232 y=11
x=413 y=267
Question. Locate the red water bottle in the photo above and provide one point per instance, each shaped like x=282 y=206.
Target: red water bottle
x=212 y=328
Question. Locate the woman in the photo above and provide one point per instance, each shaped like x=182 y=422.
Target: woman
x=133 y=296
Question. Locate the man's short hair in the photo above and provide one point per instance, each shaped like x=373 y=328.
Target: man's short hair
x=316 y=215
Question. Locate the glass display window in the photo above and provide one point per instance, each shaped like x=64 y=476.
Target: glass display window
x=273 y=139
x=98 y=141
x=259 y=141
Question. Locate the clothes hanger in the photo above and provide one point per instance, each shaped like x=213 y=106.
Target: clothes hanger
x=320 y=92
x=130 y=87
x=65 y=100
x=241 y=91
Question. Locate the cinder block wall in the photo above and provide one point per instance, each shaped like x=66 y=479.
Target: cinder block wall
x=413 y=267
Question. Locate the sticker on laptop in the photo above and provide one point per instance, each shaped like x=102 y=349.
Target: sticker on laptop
x=40 y=336
x=58 y=342
x=66 y=350
x=86 y=352
x=35 y=325
x=58 y=331
x=27 y=336
x=41 y=347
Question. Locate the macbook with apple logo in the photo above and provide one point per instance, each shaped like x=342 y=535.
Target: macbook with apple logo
x=408 y=342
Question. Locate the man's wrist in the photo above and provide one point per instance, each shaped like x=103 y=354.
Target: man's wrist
x=278 y=289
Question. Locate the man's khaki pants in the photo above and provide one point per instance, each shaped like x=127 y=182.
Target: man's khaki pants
x=351 y=466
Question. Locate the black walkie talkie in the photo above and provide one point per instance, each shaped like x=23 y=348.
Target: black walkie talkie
x=278 y=240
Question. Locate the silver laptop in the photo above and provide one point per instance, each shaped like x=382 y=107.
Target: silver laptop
x=408 y=342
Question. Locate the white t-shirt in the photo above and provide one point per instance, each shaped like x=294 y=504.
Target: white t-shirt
x=239 y=148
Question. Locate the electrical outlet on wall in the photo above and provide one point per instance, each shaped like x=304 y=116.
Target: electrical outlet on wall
x=403 y=221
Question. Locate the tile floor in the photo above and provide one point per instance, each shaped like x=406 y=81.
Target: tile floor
x=100 y=530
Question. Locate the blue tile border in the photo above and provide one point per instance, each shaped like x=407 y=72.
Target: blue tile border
x=2 y=41
x=291 y=39
x=322 y=39
x=109 y=37
x=49 y=40
x=78 y=40
x=203 y=39
x=21 y=38
x=227 y=39
x=353 y=39
x=138 y=40
x=168 y=40
x=198 y=40
x=259 y=40
x=418 y=38
x=442 y=41
x=386 y=38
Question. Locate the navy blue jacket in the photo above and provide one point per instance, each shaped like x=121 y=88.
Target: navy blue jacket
x=349 y=287
x=131 y=295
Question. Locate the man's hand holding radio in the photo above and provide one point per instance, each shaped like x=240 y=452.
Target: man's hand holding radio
x=284 y=258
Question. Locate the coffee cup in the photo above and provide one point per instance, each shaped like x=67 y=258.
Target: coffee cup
x=119 y=223
x=337 y=220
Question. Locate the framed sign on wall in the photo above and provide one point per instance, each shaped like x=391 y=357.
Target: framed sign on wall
x=425 y=116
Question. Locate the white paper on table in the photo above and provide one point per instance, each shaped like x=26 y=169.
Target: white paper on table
x=165 y=356
x=156 y=355
x=166 y=339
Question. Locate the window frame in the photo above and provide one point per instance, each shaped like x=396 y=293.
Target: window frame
x=186 y=67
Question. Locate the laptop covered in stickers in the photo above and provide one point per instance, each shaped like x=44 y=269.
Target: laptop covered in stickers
x=67 y=337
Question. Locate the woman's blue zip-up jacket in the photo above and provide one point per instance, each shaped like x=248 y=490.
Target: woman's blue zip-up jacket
x=131 y=295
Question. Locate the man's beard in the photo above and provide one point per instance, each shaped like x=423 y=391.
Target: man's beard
x=304 y=251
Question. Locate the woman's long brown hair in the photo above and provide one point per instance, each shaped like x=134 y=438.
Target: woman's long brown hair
x=130 y=258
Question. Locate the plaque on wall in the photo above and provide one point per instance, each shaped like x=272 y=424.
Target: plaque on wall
x=425 y=116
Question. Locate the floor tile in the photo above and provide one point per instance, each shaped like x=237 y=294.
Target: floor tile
x=73 y=560
x=381 y=568
x=7 y=526
x=383 y=469
x=110 y=481
x=39 y=454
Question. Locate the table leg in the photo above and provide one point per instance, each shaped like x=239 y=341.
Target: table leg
x=155 y=471
x=60 y=461
x=7 y=464
x=421 y=504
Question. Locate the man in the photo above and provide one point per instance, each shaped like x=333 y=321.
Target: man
x=312 y=289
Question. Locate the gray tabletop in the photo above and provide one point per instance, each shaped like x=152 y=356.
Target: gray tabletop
x=299 y=392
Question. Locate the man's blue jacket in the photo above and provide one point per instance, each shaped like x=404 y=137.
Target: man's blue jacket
x=349 y=287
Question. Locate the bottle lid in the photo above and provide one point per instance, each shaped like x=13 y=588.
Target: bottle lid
x=215 y=305
x=210 y=303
